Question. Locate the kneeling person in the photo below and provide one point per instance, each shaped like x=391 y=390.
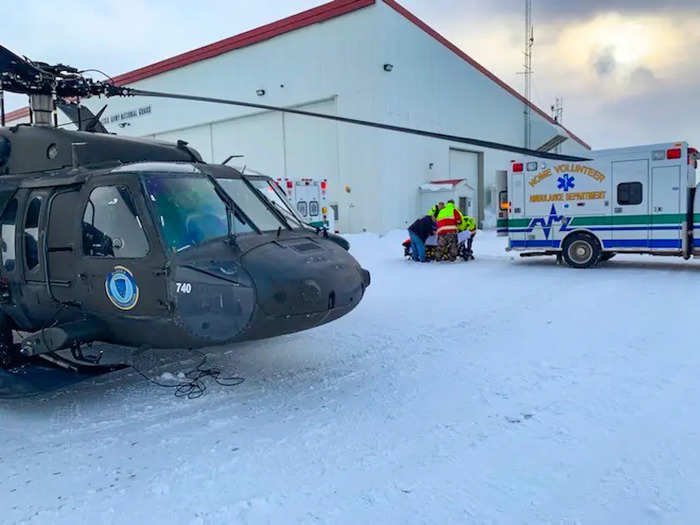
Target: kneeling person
x=419 y=231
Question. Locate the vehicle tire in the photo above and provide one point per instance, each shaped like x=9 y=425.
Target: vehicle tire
x=606 y=256
x=581 y=250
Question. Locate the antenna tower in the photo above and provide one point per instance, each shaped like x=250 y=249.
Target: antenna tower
x=558 y=110
x=527 y=72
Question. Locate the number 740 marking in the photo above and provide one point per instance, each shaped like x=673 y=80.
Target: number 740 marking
x=184 y=287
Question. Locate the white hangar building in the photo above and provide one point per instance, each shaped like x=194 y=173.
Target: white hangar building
x=364 y=59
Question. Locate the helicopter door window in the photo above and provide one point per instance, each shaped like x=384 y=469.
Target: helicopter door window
x=7 y=232
x=111 y=227
x=31 y=233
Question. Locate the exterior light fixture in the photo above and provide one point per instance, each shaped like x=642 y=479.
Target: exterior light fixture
x=388 y=67
x=260 y=92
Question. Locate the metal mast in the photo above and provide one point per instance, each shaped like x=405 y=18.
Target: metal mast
x=43 y=107
x=558 y=109
x=527 y=72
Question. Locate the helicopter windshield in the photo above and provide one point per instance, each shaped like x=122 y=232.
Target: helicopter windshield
x=189 y=211
x=251 y=204
x=274 y=194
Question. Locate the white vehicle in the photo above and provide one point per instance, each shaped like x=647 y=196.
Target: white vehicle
x=310 y=198
x=628 y=200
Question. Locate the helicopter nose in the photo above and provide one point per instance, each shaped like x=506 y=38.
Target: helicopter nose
x=214 y=299
x=302 y=283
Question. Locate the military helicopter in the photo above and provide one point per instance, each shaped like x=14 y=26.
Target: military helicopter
x=140 y=243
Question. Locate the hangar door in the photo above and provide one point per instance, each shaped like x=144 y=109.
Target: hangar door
x=258 y=137
x=311 y=144
x=465 y=165
x=283 y=145
x=311 y=150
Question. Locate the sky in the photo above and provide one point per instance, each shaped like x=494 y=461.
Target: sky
x=627 y=70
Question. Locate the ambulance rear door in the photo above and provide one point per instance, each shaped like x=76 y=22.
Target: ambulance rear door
x=308 y=201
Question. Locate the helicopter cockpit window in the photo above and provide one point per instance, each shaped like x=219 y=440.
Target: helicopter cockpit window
x=111 y=227
x=251 y=204
x=31 y=233
x=189 y=211
x=7 y=232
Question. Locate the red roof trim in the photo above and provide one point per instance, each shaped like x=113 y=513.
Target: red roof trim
x=454 y=182
x=17 y=114
x=312 y=16
x=437 y=36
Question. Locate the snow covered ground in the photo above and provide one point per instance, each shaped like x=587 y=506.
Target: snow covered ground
x=497 y=391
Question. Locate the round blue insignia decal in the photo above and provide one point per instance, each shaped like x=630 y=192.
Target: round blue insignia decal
x=121 y=288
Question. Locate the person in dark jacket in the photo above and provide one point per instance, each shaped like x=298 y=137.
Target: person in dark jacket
x=419 y=231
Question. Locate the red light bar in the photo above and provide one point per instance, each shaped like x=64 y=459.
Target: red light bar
x=290 y=185
x=518 y=167
x=323 y=185
x=673 y=153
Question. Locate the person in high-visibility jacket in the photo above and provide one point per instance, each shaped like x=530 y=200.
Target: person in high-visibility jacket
x=447 y=221
x=436 y=209
x=467 y=223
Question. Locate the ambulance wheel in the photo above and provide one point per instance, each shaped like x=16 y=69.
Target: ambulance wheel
x=581 y=250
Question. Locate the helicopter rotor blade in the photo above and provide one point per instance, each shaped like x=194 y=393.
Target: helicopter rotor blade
x=15 y=64
x=359 y=122
x=18 y=75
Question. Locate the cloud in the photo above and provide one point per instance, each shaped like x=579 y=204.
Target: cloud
x=558 y=10
x=642 y=76
x=604 y=62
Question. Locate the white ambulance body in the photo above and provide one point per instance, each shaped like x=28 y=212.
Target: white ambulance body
x=628 y=200
x=310 y=198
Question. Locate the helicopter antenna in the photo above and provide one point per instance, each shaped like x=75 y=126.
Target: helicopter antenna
x=231 y=157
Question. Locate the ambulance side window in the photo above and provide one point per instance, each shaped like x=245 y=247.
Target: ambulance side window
x=7 y=232
x=629 y=193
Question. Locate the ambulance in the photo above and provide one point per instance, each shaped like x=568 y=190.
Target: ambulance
x=310 y=198
x=640 y=199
